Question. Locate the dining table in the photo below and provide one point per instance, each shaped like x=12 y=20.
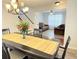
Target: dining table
x=32 y=46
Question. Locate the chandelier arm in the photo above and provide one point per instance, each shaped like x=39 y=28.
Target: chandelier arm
x=10 y=10
x=12 y=13
x=14 y=10
x=19 y=17
x=27 y=17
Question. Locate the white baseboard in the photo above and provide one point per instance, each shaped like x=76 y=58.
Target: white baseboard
x=72 y=48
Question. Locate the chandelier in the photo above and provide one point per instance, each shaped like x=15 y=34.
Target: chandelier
x=56 y=4
x=15 y=6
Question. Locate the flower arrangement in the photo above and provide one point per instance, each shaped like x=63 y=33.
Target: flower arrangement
x=23 y=27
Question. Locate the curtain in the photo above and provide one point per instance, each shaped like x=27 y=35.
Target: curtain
x=55 y=19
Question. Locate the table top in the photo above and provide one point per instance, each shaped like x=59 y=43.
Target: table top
x=43 y=45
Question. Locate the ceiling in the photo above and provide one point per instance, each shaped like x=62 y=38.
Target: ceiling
x=39 y=3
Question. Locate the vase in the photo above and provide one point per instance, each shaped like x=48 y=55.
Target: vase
x=24 y=35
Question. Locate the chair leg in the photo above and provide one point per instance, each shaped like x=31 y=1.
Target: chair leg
x=26 y=57
x=9 y=49
x=55 y=58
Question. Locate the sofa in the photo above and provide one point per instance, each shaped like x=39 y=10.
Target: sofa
x=43 y=27
x=59 y=30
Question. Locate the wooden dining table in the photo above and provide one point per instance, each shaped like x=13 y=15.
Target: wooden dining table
x=33 y=46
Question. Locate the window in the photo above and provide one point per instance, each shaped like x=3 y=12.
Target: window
x=55 y=19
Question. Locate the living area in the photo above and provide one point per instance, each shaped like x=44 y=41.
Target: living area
x=51 y=25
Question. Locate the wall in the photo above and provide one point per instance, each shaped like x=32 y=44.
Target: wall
x=45 y=18
x=71 y=23
x=38 y=17
x=46 y=14
x=8 y=20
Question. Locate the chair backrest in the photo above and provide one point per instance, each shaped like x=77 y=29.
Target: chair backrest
x=5 y=31
x=37 y=32
x=66 y=46
x=41 y=25
x=5 y=53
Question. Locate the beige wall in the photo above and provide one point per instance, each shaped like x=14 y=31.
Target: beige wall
x=71 y=23
x=8 y=20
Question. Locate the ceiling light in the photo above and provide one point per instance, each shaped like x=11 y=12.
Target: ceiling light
x=15 y=6
x=51 y=12
x=57 y=3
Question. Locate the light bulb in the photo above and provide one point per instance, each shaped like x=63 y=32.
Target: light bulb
x=8 y=6
x=57 y=3
x=17 y=10
x=26 y=9
x=15 y=6
x=13 y=1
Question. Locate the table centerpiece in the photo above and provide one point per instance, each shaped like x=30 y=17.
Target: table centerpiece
x=23 y=27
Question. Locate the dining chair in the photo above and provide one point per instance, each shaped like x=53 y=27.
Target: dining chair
x=5 y=31
x=5 y=53
x=65 y=49
x=37 y=33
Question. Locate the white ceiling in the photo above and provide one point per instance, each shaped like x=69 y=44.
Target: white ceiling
x=39 y=3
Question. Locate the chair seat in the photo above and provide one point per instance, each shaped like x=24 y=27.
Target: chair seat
x=58 y=56
x=15 y=54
